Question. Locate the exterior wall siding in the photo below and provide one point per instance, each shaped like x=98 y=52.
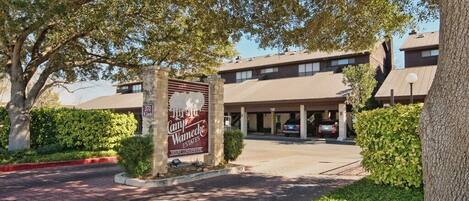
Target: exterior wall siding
x=413 y=58
x=380 y=58
x=291 y=70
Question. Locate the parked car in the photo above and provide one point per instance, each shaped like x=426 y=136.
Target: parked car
x=291 y=127
x=327 y=129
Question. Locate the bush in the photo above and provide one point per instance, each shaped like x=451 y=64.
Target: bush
x=44 y=127
x=135 y=155
x=49 y=149
x=4 y=127
x=93 y=129
x=233 y=144
x=74 y=128
x=391 y=147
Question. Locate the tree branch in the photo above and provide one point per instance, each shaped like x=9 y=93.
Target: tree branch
x=34 y=64
x=38 y=85
x=110 y=61
x=40 y=39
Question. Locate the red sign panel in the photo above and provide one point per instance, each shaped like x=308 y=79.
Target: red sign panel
x=187 y=118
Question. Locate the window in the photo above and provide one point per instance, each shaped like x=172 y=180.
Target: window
x=339 y=62
x=136 y=88
x=269 y=70
x=430 y=53
x=308 y=69
x=245 y=75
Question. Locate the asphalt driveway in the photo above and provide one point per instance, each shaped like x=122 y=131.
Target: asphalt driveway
x=277 y=170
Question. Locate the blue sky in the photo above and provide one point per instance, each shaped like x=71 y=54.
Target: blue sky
x=246 y=48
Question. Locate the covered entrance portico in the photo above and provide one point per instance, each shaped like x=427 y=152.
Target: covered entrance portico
x=265 y=105
x=269 y=118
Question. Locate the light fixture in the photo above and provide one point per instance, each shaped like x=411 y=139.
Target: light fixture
x=411 y=78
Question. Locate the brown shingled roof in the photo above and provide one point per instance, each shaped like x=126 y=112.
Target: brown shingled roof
x=320 y=86
x=396 y=80
x=116 y=101
x=287 y=57
x=420 y=40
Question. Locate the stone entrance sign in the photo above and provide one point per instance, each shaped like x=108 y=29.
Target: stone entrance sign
x=188 y=118
x=185 y=118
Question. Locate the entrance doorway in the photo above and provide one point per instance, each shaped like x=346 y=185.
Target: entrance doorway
x=260 y=122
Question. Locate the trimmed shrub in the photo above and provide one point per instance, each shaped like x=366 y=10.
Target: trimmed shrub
x=43 y=127
x=93 y=129
x=73 y=128
x=4 y=128
x=233 y=144
x=391 y=147
x=135 y=155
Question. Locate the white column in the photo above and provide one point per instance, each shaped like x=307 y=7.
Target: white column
x=244 y=121
x=303 y=127
x=272 y=121
x=342 y=122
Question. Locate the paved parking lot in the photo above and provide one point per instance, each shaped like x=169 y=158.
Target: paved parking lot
x=277 y=170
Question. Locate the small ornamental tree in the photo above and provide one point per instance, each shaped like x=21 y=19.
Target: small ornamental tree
x=361 y=80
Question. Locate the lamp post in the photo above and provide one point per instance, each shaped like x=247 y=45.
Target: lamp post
x=411 y=79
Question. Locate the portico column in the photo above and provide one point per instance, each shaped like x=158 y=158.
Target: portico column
x=272 y=121
x=342 y=122
x=244 y=121
x=303 y=122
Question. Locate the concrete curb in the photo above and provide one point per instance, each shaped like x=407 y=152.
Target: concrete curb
x=121 y=178
x=31 y=166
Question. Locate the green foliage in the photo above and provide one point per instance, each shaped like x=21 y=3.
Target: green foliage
x=233 y=144
x=135 y=155
x=4 y=128
x=367 y=190
x=73 y=128
x=391 y=147
x=43 y=127
x=49 y=149
x=93 y=129
x=361 y=79
x=32 y=156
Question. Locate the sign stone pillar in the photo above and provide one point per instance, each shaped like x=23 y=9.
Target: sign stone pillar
x=155 y=116
x=216 y=126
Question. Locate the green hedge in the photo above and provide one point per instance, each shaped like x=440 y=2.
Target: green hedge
x=391 y=147
x=74 y=128
x=135 y=155
x=233 y=144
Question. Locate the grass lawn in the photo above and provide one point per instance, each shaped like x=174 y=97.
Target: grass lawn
x=367 y=190
x=34 y=157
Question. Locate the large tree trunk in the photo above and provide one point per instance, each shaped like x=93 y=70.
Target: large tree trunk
x=444 y=124
x=19 y=137
x=20 y=118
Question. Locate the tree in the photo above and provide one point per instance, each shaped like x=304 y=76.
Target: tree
x=62 y=41
x=361 y=79
x=444 y=127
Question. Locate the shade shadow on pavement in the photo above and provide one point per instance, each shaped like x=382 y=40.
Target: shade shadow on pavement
x=95 y=182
